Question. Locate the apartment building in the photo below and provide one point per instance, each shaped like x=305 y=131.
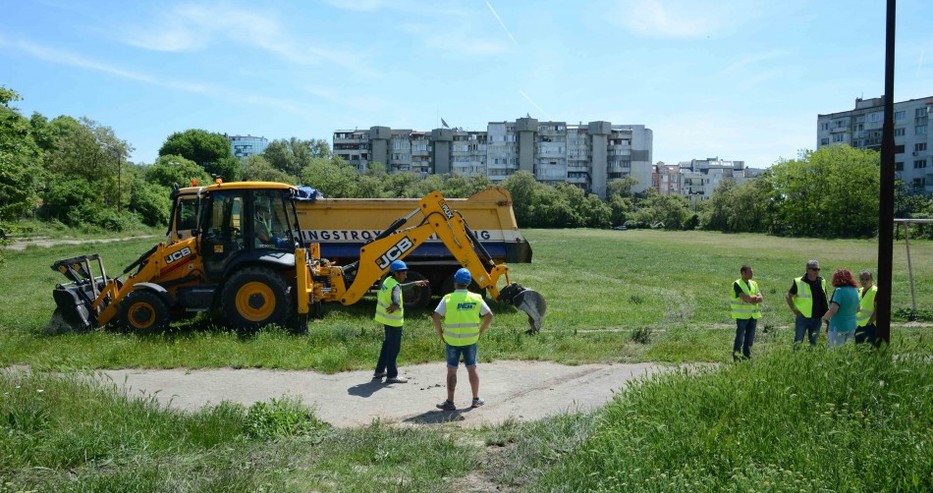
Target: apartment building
x=861 y=128
x=586 y=155
x=697 y=179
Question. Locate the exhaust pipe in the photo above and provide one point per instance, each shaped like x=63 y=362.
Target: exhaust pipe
x=527 y=300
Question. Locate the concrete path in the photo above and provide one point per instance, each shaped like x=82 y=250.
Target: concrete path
x=512 y=389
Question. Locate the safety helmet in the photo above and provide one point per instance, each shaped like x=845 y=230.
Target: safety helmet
x=463 y=276
x=397 y=266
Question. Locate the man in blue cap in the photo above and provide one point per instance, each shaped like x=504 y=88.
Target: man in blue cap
x=390 y=311
x=466 y=316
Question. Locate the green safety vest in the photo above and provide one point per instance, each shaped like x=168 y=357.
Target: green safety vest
x=741 y=309
x=804 y=299
x=384 y=301
x=461 y=320
x=866 y=307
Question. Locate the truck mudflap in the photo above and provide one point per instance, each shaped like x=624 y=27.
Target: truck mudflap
x=527 y=300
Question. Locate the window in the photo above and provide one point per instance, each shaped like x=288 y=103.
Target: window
x=838 y=138
x=898 y=166
x=920 y=164
x=876 y=116
x=824 y=141
x=922 y=146
x=900 y=132
x=920 y=112
x=920 y=182
x=920 y=130
x=899 y=149
x=900 y=115
x=824 y=126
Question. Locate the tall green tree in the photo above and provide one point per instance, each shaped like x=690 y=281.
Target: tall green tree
x=20 y=160
x=210 y=150
x=832 y=192
x=170 y=170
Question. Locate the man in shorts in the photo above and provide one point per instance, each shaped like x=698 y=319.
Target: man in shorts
x=466 y=317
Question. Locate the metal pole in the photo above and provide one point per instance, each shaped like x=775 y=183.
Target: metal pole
x=886 y=205
x=910 y=269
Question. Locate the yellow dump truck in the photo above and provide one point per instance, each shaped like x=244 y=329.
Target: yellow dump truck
x=253 y=253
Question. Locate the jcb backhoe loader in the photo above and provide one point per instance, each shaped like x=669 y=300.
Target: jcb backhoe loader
x=248 y=263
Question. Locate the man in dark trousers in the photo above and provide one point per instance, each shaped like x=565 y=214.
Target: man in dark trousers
x=807 y=299
x=390 y=312
x=745 y=303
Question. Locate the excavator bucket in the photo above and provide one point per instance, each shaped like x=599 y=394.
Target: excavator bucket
x=527 y=300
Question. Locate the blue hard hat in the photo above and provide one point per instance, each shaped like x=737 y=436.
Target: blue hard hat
x=463 y=276
x=397 y=265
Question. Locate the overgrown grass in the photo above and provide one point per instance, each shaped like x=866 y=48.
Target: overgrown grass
x=612 y=296
x=848 y=420
x=69 y=433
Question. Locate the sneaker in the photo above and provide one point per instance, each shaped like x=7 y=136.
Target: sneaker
x=397 y=380
x=477 y=402
x=379 y=376
x=447 y=406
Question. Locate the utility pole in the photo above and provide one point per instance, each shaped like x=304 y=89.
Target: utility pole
x=886 y=205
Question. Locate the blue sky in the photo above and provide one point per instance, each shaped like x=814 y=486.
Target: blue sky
x=741 y=80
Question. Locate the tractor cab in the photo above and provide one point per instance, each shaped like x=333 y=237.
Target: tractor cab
x=244 y=223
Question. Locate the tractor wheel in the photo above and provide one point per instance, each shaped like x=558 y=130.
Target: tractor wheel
x=256 y=297
x=417 y=296
x=144 y=312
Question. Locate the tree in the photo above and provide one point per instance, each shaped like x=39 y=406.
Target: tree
x=671 y=210
x=334 y=177
x=293 y=155
x=257 y=168
x=210 y=150
x=620 y=187
x=20 y=160
x=522 y=186
x=832 y=192
x=170 y=170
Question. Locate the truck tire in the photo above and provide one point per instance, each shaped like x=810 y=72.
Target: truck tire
x=144 y=312
x=417 y=296
x=255 y=297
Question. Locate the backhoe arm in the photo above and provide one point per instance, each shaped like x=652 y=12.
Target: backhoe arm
x=437 y=218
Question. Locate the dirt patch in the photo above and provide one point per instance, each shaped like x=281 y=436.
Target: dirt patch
x=517 y=390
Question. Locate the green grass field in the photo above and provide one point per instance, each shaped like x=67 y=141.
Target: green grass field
x=845 y=420
x=633 y=295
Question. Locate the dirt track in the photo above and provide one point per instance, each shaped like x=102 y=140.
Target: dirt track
x=512 y=389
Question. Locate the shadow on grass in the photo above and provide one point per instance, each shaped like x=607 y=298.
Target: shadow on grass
x=437 y=417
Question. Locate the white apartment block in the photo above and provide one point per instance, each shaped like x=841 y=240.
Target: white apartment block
x=697 y=179
x=861 y=128
x=586 y=155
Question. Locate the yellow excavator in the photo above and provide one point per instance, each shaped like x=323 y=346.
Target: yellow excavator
x=246 y=261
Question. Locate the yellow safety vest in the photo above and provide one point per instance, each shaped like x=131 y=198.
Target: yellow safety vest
x=461 y=320
x=866 y=307
x=384 y=301
x=804 y=299
x=741 y=309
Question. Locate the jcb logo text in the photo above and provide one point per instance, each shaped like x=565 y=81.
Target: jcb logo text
x=180 y=254
x=395 y=252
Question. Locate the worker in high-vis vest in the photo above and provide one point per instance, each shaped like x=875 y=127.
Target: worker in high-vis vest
x=390 y=312
x=807 y=300
x=466 y=317
x=745 y=303
x=866 y=330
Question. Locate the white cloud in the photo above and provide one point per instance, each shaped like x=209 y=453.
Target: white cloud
x=682 y=18
x=193 y=27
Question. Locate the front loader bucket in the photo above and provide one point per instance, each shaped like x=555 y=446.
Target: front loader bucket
x=74 y=300
x=71 y=312
x=529 y=301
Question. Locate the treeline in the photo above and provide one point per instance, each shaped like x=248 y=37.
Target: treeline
x=75 y=172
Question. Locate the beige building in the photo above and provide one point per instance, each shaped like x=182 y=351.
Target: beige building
x=586 y=155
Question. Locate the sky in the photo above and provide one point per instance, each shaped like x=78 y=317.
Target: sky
x=739 y=80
